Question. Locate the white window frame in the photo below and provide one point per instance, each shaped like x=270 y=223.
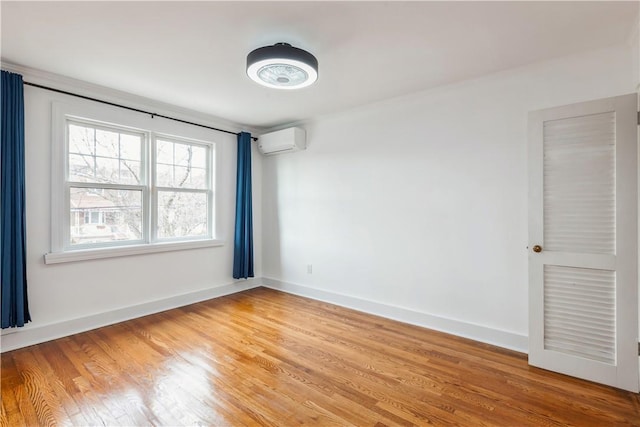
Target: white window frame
x=113 y=118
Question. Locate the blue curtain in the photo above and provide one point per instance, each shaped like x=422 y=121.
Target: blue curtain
x=243 y=237
x=15 y=310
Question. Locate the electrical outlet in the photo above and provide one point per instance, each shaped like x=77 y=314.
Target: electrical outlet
x=309 y=269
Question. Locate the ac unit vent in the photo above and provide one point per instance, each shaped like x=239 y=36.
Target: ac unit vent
x=282 y=141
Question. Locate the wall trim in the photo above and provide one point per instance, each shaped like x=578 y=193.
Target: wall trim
x=505 y=339
x=30 y=334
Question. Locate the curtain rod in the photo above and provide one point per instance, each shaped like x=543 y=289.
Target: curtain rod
x=132 y=109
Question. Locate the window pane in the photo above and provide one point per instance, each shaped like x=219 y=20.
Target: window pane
x=183 y=154
x=81 y=139
x=198 y=178
x=100 y=215
x=107 y=170
x=164 y=175
x=130 y=146
x=104 y=156
x=81 y=168
x=199 y=157
x=107 y=143
x=129 y=172
x=181 y=177
x=164 y=152
x=182 y=214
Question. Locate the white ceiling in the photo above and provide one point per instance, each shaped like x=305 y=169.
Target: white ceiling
x=192 y=54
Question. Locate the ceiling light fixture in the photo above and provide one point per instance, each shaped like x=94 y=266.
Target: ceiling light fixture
x=282 y=66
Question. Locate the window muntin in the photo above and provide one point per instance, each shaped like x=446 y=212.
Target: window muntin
x=110 y=201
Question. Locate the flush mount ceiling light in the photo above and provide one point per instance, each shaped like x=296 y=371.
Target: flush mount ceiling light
x=282 y=66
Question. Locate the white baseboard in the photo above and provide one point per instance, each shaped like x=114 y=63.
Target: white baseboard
x=12 y=339
x=480 y=333
x=30 y=334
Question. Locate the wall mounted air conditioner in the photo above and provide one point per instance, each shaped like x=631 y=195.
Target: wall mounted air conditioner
x=282 y=141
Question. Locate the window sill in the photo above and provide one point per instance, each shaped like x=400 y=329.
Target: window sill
x=87 y=254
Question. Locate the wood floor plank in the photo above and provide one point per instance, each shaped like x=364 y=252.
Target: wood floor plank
x=263 y=357
x=38 y=386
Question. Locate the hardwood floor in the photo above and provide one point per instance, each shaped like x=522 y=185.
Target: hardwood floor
x=262 y=357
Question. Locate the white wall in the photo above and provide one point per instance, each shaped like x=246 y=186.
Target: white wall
x=65 y=298
x=420 y=203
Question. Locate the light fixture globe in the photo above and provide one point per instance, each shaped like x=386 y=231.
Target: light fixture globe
x=282 y=66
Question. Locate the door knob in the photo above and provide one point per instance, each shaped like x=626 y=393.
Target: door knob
x=537 y=248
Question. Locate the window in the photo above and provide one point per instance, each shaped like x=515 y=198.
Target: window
x=125 y=187
x=108 y=183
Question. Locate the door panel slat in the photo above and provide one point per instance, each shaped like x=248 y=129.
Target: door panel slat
x=579 y=178
x=569 y=299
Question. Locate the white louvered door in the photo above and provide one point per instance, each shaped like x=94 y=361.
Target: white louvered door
x=583 y=237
